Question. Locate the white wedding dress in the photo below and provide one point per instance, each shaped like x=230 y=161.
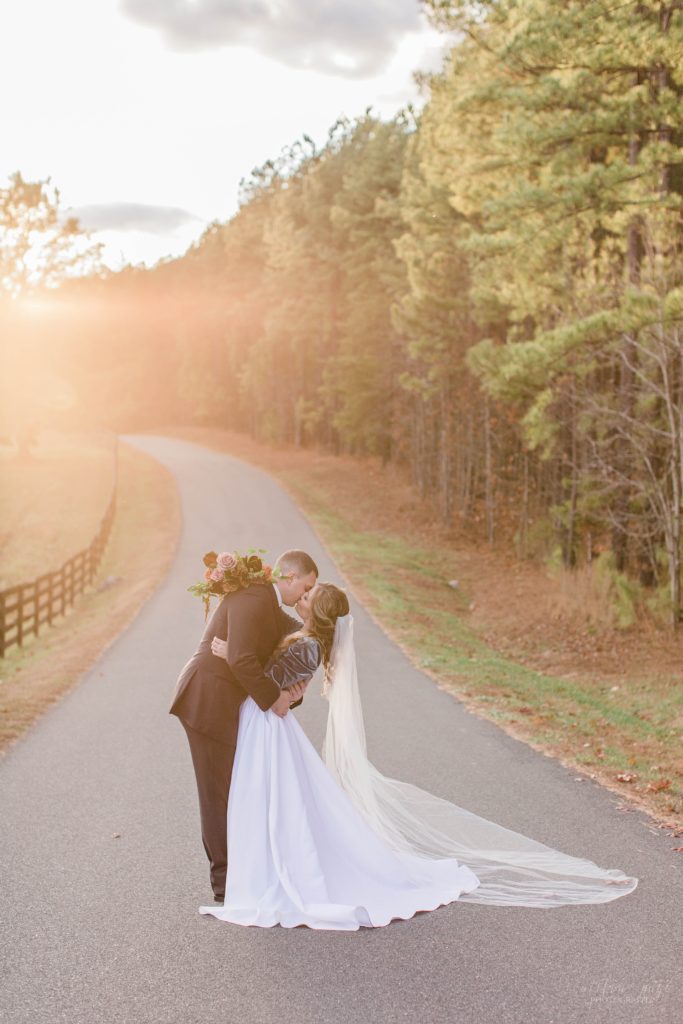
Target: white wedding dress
x=333 y=844
x=300 y=853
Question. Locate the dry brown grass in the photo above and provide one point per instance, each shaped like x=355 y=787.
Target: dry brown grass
x=140 y=550
x=51 y=504
x=584 y=596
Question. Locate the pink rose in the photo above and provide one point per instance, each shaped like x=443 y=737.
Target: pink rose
x=226 y=561
x=217 y=575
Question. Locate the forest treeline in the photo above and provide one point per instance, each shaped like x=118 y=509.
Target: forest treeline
x=488 y=293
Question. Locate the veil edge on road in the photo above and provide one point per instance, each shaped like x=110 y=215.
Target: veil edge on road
x=513 y=869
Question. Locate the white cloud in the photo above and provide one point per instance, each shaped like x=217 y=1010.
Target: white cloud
x=156 y=220
x=111 y=112
x=345 y=38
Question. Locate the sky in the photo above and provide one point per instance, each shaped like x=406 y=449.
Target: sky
x=147 y=113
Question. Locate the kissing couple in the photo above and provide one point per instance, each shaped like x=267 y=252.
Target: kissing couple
x=330 y=843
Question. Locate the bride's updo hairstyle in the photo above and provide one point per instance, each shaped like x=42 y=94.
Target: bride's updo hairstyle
x=328 y=602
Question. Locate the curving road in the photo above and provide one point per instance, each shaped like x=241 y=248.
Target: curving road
x=99 y=929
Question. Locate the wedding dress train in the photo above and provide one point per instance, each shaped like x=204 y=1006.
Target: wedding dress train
x=334 y=844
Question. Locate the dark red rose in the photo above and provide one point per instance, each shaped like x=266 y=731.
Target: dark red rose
x=254 y=563
x=210 y=559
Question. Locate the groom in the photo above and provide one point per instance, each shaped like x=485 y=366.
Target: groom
x=210 y=690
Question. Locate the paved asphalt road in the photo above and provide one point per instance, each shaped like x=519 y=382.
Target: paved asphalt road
x=97 y=929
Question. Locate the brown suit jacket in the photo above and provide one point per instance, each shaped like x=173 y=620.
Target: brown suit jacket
x=210 y=690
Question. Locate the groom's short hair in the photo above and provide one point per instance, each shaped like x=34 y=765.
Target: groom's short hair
x=297 y=562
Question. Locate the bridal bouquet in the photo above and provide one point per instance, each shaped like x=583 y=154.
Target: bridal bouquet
x=228 y=571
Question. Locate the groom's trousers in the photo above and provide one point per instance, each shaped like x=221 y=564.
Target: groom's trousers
x=212 y=761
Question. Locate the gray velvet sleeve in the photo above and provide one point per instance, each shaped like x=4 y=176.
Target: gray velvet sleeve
x=296 y=664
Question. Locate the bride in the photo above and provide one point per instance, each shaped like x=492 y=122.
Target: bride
x=334 y=844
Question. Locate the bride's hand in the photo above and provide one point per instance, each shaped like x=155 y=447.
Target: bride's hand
x=281 y=705
x=296 y=690
x=219 y=647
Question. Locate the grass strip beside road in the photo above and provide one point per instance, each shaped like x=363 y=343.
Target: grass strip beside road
x=632 y=730
x=140 y=551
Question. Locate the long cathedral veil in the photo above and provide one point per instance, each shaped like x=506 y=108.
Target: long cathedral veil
x=513 y=870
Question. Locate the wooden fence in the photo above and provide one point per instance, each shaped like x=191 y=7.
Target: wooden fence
x=29 y=607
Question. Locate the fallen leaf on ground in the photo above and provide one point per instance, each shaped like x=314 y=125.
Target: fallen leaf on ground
x=656 y=786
